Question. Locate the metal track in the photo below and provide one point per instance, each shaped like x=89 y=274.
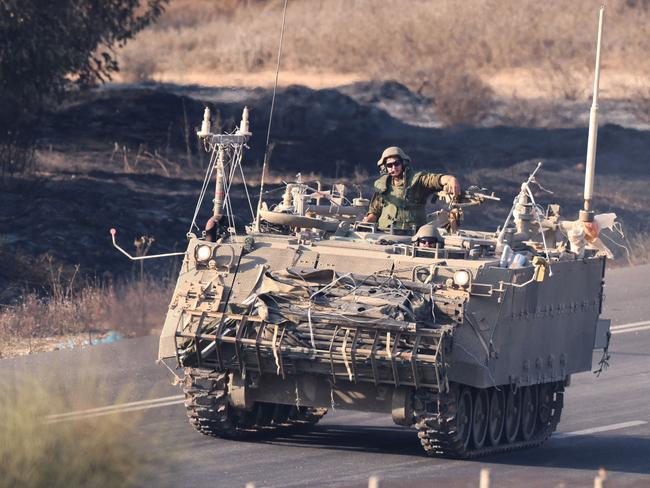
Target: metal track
x=437 y=427
x=208 y=410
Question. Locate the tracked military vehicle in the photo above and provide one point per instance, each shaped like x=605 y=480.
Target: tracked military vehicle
x=472 y=339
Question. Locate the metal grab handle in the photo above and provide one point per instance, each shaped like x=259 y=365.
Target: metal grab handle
x=138 y=258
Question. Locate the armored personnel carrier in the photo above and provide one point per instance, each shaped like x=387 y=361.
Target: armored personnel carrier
x=471 y=337
x=472 y=346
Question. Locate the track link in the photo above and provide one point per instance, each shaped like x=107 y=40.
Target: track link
x=210 y=413
x=437 y=425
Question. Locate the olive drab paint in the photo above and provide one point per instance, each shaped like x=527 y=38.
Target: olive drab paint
x=404 y=206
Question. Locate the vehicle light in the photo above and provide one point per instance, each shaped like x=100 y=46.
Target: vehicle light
x=461 y=278
x=202 y=253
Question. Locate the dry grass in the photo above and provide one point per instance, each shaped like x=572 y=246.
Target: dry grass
x=131 y=309
x=97 y=452
x=447 y=49
x=639 y=247
x=373 y=36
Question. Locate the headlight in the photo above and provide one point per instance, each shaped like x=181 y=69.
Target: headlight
x=461 y=278
x=202 y=253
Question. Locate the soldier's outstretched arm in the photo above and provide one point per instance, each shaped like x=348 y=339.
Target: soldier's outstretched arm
x=437 y=182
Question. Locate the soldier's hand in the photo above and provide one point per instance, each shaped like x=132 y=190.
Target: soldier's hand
x=451 y=185
x=369 y=218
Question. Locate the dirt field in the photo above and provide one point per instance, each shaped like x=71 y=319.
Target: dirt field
x=483 y=90
x=523 y=48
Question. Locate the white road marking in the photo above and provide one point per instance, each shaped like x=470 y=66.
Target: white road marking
x=604 y=428
x=112 y=412
x=631 y=327
x=631 y=324
x=635 y=329
x=119 y=408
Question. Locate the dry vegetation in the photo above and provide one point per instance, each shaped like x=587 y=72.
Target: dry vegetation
x=638 y=246
x=98 y=452
x=70 y=316
x=458 y=52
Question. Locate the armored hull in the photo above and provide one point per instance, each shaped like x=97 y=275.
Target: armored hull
x=272 y=330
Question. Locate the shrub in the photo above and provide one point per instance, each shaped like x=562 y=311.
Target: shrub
x=132 y=308
x=46 y=46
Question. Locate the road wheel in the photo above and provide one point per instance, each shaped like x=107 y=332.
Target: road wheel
x=306 y=416
x=496 y=416
x=512 y=415
x=528 y=412
x=545 y=403
x=281 y=414
x=464 y=416
x=480 y=418
x=263 y=414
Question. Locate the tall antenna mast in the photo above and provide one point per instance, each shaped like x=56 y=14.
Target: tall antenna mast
x=256 y=226
x=587 y=214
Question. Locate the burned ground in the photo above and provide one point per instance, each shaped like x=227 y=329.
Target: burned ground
x=314 y=129
x=127 y=158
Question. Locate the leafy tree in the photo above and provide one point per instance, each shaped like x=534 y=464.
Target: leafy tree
x=48 y=47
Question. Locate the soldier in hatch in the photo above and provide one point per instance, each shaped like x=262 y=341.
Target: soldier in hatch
x=427 y=236
x=401 y=193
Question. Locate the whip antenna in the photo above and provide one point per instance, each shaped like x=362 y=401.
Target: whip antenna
x=268 y=132
x=587 y=213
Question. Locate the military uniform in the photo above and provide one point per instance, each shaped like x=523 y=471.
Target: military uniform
x=402 y=202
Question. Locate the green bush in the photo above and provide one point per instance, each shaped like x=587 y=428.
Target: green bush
x=47 y=47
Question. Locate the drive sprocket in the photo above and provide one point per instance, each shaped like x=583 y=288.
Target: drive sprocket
x=210 y=413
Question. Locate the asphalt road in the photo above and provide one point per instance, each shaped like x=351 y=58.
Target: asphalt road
x=606 y=421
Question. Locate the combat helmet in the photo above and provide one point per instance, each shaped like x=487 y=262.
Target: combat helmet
x=426 y=232
x=392 y=152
